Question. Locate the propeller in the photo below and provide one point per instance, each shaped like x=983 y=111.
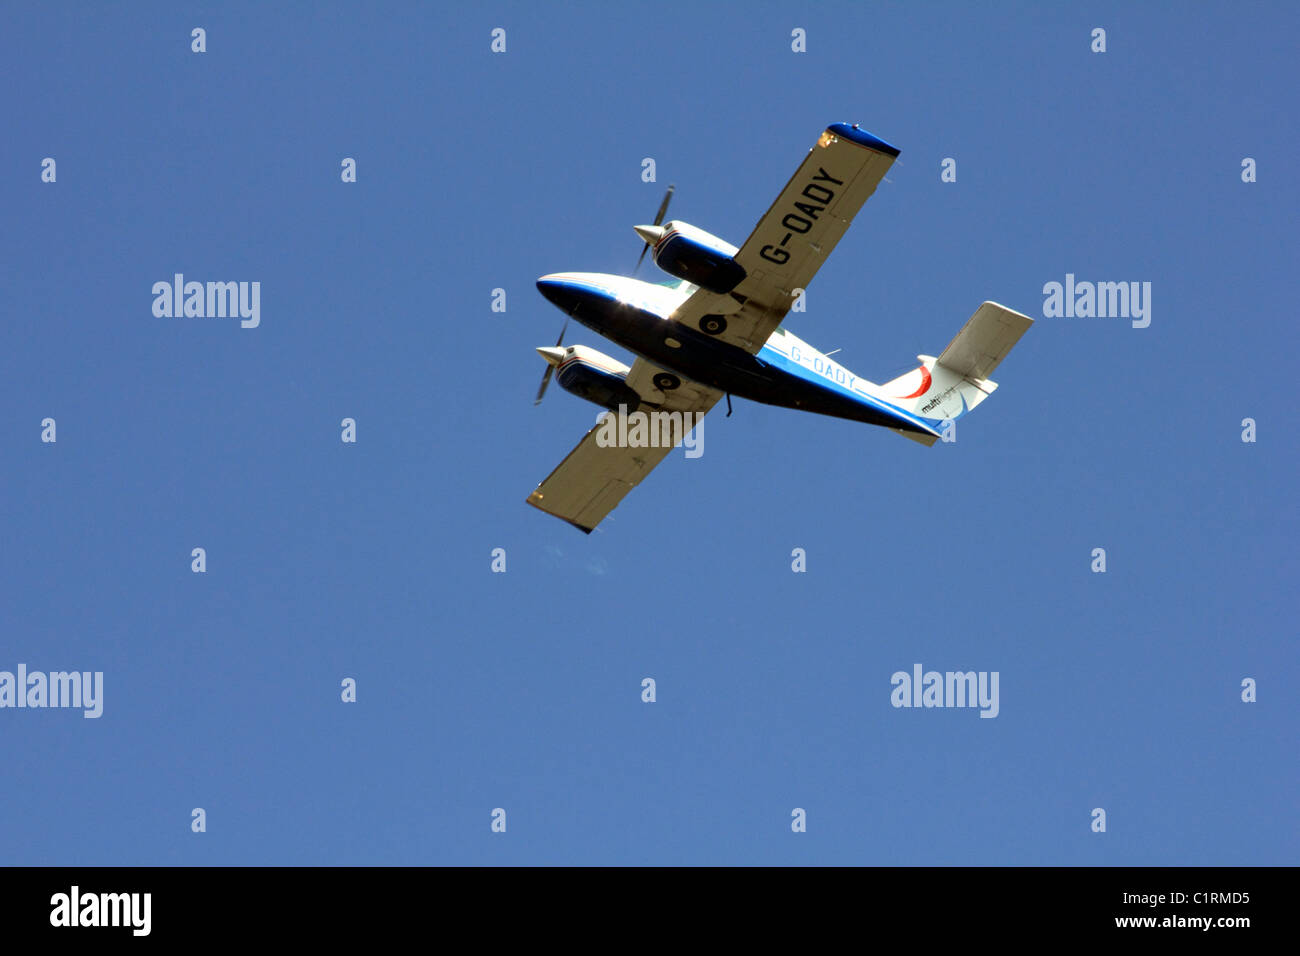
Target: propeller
x=659 y=218
x=550 y=366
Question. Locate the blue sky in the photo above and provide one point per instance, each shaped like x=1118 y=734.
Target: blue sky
x=522 y=690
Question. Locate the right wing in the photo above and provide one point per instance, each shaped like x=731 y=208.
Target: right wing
x=795 y=235
x=597 y=475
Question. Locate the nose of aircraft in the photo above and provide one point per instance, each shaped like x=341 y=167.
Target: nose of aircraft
x=552 y=354
x=557 y=292
x=572 y=293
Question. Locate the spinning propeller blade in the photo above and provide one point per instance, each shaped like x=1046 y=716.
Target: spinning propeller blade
x=659 y=218
x=550 y=367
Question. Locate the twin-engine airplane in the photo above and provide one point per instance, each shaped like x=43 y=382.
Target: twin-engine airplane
x=715 y=330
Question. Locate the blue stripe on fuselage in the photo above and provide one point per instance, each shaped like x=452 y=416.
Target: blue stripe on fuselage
x=798 y=370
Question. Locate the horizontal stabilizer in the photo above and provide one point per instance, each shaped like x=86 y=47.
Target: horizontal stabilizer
x=984 y=341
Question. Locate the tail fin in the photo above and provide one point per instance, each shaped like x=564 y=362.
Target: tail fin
x=947 y=387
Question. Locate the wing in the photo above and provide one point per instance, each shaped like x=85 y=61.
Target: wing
x=795 y=235
x=596 y=475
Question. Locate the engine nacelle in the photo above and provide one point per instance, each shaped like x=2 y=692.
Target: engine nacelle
x=689 y=253
x=592 y=375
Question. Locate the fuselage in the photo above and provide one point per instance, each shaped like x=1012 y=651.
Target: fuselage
x=638 y=315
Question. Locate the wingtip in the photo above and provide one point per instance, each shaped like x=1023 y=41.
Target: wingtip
x=856 y=134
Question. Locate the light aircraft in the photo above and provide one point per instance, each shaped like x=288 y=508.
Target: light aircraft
x=715 y=329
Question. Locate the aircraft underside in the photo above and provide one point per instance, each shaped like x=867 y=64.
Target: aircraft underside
x=702 y=358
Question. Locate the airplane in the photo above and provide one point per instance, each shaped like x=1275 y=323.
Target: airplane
x=715 y=330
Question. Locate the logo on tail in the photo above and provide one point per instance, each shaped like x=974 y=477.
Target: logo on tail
x=925 y=384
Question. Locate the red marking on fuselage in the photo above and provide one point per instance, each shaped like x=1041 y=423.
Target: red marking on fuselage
x=925 y=384
x=596 y=365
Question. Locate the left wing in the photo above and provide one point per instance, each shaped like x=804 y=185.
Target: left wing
x=597 y=475
x=795 y=235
